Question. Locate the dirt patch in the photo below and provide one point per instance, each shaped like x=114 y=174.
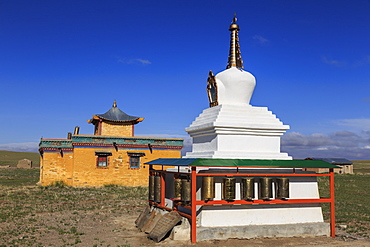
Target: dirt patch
x=103 y=228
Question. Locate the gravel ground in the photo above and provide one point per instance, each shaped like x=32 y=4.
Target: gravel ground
x=101 y=227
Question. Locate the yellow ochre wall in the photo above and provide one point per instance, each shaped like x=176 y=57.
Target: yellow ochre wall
x=116 y=129
x=54 y=167
x=80 y=169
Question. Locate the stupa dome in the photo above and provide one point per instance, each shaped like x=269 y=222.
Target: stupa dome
x=235 y=86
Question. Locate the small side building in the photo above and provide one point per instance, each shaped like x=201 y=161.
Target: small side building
x=24 y=163
x=113 y=155
x=346 y=166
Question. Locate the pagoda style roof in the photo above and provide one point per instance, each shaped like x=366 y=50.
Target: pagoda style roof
x=116 y=115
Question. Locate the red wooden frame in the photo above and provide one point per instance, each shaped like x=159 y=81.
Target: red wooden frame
x=194 y=202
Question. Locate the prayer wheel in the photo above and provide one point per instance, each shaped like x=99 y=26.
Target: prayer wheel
x=157 y=189
x=151 y=188
x=247 y=189
x=208 y=188
x=265 y=188
x=185 y=190
x=228 y=189
x=282 y=188
x=177 y=188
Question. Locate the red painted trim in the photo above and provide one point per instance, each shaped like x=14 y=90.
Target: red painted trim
x=86 y=144
x=274 y=167
x=193 y=205
x=332 y=203
x=56 y=149
x=273 y=201
x=163 y=190
x=262 y=174
x=169 y=209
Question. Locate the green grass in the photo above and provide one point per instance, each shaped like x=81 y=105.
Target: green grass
x=352 y=202
x=18 y=177
x=11 y=158
x=25 y=201
x=22 y=205
x=361 y=166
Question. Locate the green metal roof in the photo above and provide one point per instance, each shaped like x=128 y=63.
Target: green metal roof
x=243 y=163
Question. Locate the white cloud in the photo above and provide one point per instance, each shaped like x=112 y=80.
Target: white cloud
x=298 y=139
x=21 y=147
x=133 y=61
x=356 y=123
x=332 y=61
x=260 y=39
x=143 y=61
x=341 y=144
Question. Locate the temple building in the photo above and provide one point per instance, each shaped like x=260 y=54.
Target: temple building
x=113 y=155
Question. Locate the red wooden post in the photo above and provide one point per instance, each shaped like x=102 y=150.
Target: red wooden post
x=332 y=203
x=163 y=189
x=193 y=205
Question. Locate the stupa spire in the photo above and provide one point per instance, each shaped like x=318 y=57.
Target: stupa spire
x=235 y=58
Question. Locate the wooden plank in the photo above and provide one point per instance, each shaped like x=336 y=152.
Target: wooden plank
x=143 y=217
x=164 y=225
x=149 y=221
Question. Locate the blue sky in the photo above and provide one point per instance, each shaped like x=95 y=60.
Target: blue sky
x=63 y=61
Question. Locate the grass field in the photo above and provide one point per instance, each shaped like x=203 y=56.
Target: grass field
x=9 y=158
x=361 y=166
x=24 y=207
x=352 y=202
x=33 y=216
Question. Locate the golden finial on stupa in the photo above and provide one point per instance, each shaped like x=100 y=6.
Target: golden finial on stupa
x=235 y=58
x=114 y=103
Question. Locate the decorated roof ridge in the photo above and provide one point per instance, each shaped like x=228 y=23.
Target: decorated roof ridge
x=126 y=137
x=68 y=140
x=235 y=58
x=116 y=115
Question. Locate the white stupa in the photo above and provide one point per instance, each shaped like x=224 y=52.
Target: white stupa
x=231 y=127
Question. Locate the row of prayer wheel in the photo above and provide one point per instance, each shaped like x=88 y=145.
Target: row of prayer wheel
x=247 y=191
x=182 y=188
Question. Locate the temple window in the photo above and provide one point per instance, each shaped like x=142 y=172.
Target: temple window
x=135 y=159
x=102 y=160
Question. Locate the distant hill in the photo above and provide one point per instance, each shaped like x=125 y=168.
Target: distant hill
x=11 y=158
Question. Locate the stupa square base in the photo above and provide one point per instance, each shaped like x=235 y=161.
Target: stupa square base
x=272 y=214
x=238 y=132
x=264 y=231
